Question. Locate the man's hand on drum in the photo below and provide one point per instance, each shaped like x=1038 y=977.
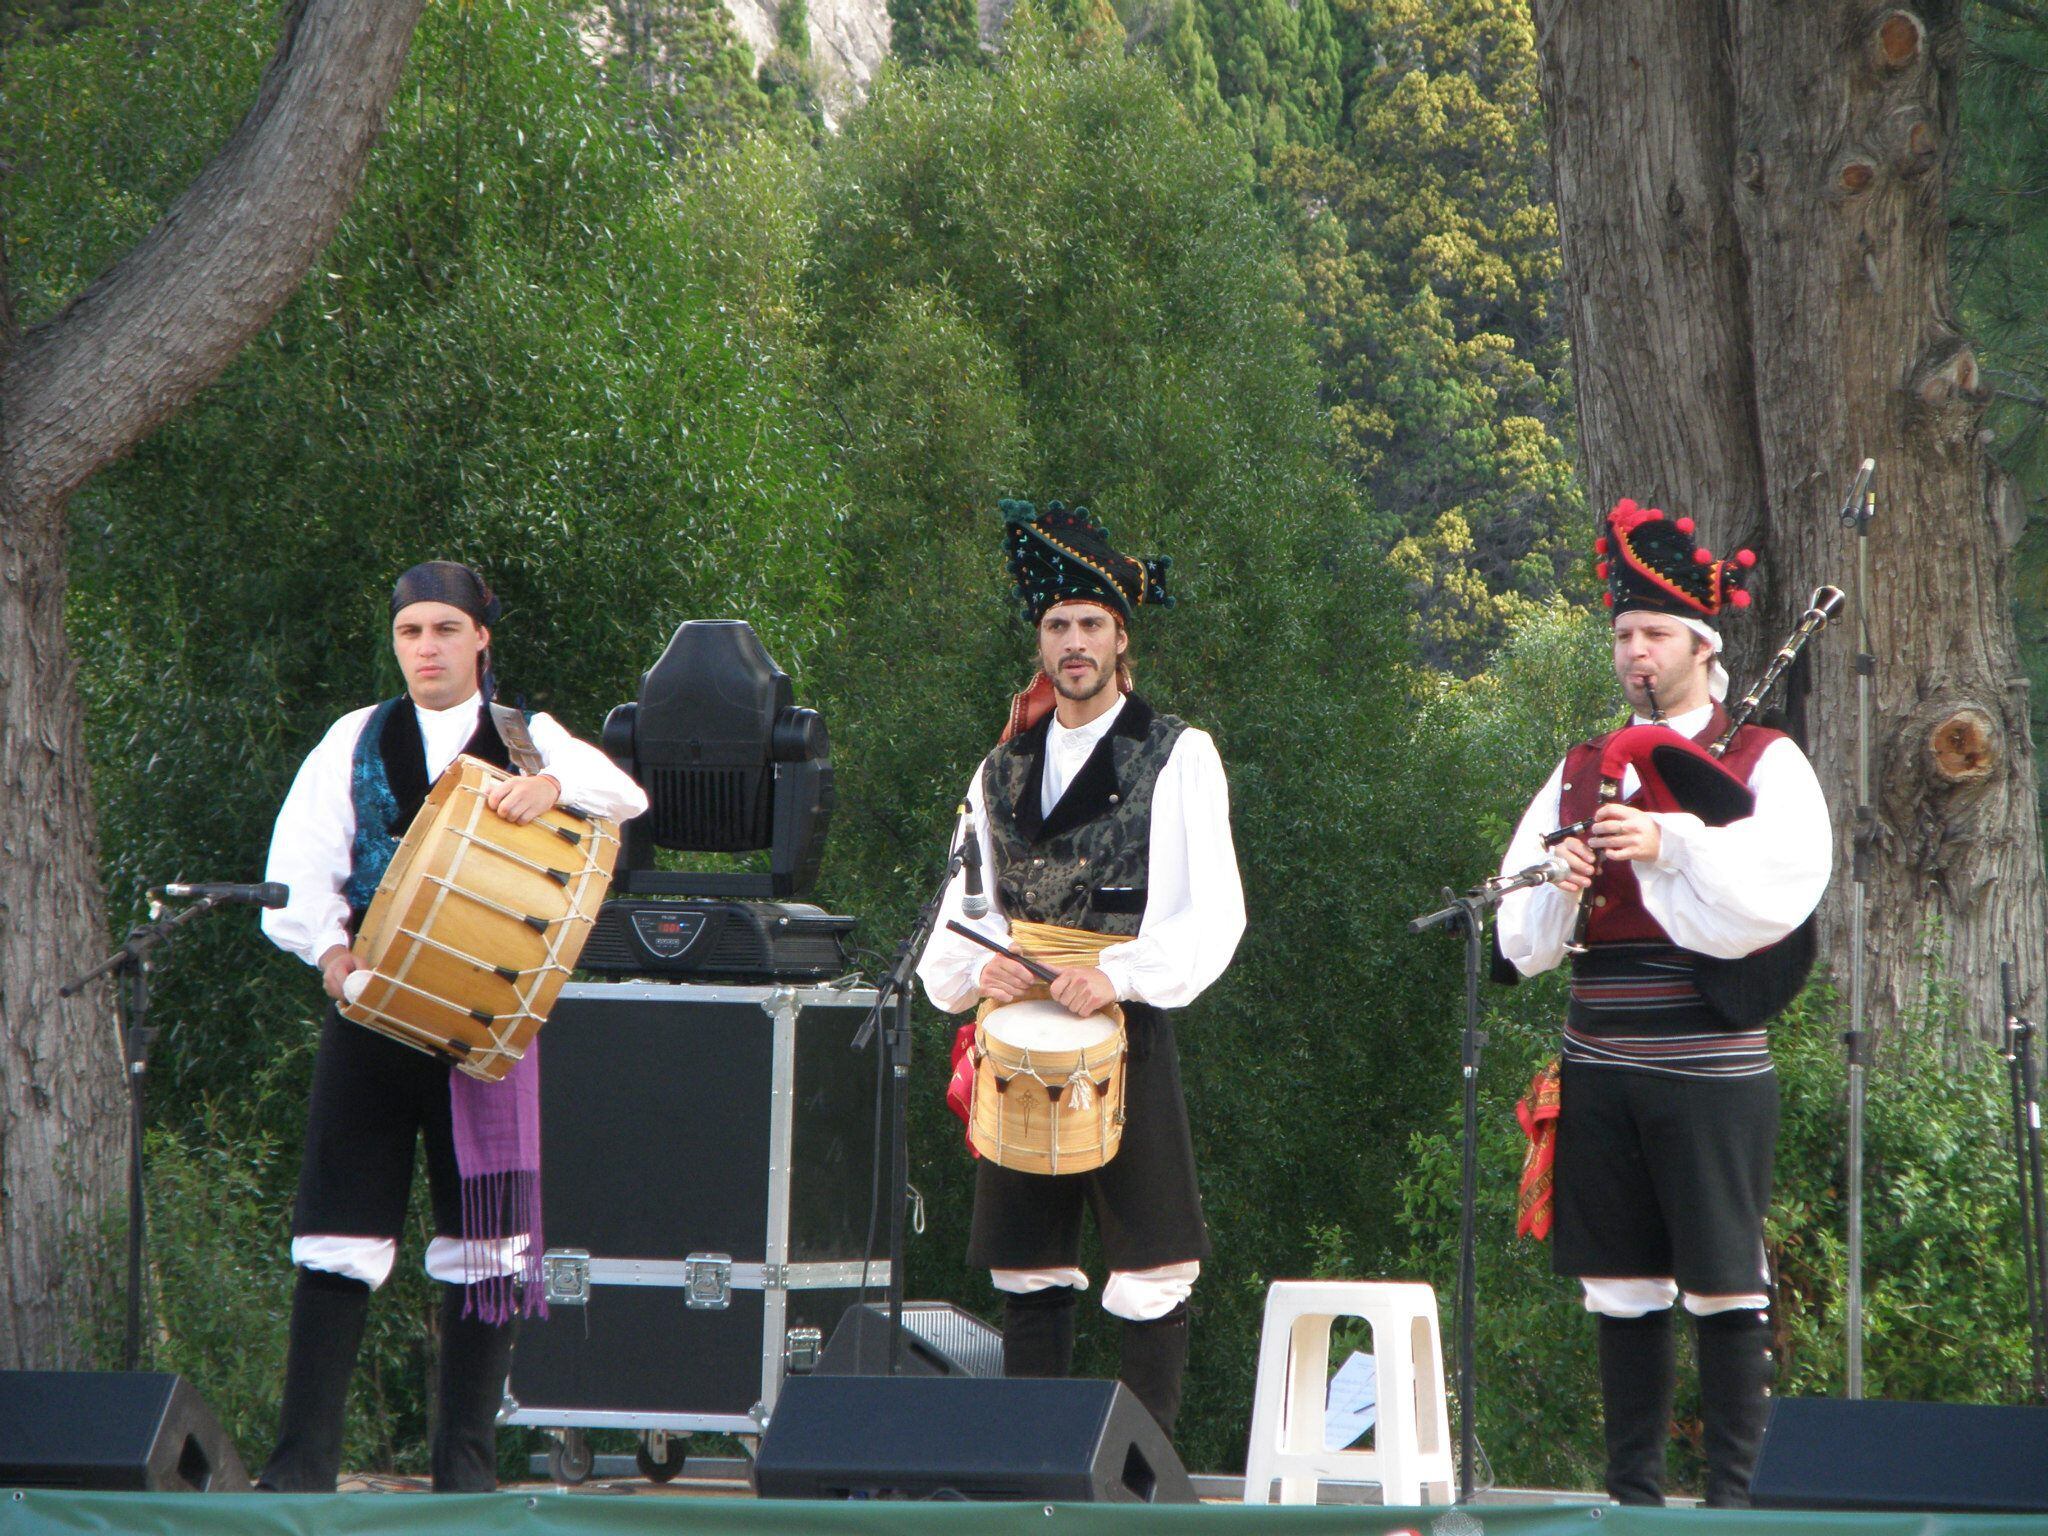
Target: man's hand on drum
x=334 y=968
x=1624 y=832
x=1573 y=851
x=1082 y=990
x=1005 y=980
x=520 y=800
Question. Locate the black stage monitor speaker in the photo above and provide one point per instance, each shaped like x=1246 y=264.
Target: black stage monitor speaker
x=1080 y=1442
x=140 y=1431
x=938 y=1340
x=1827 y=1453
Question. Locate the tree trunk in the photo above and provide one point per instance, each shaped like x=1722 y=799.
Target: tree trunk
x=1751 y=198
x=75 y=393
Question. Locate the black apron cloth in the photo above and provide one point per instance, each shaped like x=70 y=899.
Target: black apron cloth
x=1148 y=1209
x=1662 y=1177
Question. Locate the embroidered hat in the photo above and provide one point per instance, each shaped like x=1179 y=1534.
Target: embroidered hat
x=1650 y=562
x=1063 y=555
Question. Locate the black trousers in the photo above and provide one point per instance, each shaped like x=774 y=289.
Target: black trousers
x=1664 y=1176
x=373 y=1101
x=1148 y=1208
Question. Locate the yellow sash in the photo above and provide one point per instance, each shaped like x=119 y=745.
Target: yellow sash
x=1050 y=944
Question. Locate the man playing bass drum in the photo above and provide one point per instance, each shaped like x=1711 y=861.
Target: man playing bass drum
x=1668 y=1110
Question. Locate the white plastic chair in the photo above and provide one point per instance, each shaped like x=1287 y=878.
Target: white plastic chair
x=1411 y=1454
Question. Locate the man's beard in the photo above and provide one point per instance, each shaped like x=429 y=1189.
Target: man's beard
x=1078 y=693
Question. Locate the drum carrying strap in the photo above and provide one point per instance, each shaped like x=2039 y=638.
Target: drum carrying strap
x=1048 y=944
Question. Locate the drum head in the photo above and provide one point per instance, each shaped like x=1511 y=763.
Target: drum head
x=1044 y=1025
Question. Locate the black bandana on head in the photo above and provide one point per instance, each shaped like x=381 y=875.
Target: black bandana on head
x=446 y=581
x=1063 y=556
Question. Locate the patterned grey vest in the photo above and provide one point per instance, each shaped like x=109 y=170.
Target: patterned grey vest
x=1084 y=865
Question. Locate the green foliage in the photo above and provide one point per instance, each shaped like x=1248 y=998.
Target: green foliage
x=1399 y=143
x=1999 y=260
x=694 y=75
x=934 y=32
x=523 y=348
x=1040 y=279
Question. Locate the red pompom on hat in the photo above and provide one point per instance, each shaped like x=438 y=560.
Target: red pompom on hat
x=1745 y=558
x=1703 y=556
x=1738 y=599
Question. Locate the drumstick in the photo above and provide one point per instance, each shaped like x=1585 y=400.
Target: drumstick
x=1044 y=973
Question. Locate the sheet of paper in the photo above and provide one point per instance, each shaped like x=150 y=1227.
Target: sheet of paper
x=1353 y=1405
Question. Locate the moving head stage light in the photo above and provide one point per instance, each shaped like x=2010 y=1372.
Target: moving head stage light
x=730 y=764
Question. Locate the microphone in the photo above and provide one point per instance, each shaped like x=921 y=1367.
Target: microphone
x=269 y=894
x=973 y=903
x=1548 y=872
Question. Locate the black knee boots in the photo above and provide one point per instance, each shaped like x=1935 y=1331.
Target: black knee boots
x=1154 y=1360
x=470 y=1386
x=1735 y=1398
x=1638 y=1374
x=1038 y=1332
x=327 y=1329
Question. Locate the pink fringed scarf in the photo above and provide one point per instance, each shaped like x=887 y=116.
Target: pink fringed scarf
x=497 y=1149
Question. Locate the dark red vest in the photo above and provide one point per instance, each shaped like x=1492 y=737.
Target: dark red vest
x=1619 y=916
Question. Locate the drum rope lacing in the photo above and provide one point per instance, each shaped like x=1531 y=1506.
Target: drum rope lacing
x=499 y=1028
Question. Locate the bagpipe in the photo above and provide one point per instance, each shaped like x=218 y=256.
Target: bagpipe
x=1678 y=774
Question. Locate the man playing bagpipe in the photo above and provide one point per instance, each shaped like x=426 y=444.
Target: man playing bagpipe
x=1105 y=826
x=1682 y=917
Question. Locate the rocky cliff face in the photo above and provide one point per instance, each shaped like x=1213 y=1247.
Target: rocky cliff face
x=849 y=40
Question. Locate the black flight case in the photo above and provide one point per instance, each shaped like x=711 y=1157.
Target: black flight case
x=707 y=1156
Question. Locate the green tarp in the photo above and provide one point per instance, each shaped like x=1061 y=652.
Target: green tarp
x=554 y=1513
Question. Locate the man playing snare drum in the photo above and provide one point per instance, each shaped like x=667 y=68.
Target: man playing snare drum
x=1104 y=825
x=352 y=801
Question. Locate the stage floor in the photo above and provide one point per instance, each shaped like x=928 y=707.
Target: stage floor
x=600 y=1509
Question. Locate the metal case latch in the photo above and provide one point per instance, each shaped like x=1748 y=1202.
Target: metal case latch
x=801 y=1349
x=565 y=1277
x=707 y=1281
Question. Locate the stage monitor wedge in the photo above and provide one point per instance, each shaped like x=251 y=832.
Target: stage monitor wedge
x=1827 y=1453
x=938 y=1340
x=112 y=1431
x=912 y=1437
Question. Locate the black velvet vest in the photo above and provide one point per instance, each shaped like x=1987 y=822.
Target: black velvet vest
x=1084 y=865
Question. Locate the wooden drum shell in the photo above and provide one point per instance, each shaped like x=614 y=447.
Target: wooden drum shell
x=477 y=923
x=1017 y=1120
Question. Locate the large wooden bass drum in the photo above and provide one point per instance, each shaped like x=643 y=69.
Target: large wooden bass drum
x=477 y=923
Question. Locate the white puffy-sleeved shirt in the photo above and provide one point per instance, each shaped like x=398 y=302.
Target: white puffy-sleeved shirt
x=310 y=848
x=1722 y=891
x=1194 y=900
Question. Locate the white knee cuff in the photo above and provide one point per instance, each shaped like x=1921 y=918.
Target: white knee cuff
x=1141 y=1295
x=495 y=1256
x=1022 y=1282
x=368 y=1259
x=1709 y=1306
x=1628 y=1298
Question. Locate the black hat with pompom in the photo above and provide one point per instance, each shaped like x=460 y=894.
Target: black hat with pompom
x=1062 y=555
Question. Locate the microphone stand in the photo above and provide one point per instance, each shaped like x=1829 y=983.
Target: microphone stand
x=891 y=1016
x=2026 y=1151
x=1857 y=511
x=132 y=960
x=1466 y=914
